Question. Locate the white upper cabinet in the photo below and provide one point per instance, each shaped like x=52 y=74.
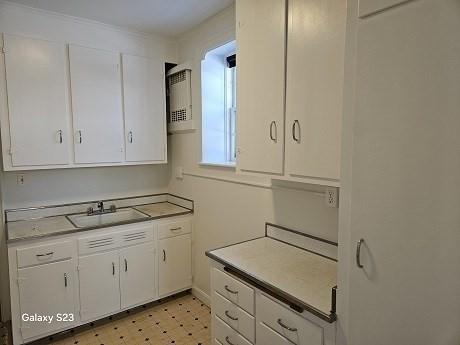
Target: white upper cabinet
x=96 y=105
x=315 y=65
x=260 y=34
x=144 y=108
x=38 y=111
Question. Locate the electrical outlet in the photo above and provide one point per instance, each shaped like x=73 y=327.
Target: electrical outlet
x=20 y=180
x=331 y=197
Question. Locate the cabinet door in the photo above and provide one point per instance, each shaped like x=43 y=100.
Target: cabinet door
x=46 y=290
x=315 y=70
x=96 y=105
x=406 y=125
x=260 y=38
x=137 y=274
x=175 y=264
x=99 y=285
x=37 y=101
x=144 y=107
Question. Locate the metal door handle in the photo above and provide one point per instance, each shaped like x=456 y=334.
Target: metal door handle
x=130 y=137
x=273 y=137
x=126 y=265
x=113 y=268
x=65 y=279
x=60 y=136
x=164 y=255
x=230 y=290
x=176 y=229
x=80 y=140
x=227 y=314
x=358 y=253
x=294 y=125
x=227 y=339
x=46 y=254
x=292 y=329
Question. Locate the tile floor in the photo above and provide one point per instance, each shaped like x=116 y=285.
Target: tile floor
x=178 y=320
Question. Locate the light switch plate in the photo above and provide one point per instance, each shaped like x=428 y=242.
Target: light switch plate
x=331 y=194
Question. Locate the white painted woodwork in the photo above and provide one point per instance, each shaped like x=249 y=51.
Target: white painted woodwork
x=144 y=109
x=96 y=105
x=38 y=111
x=39 y=254
x=43 y=291
x=260 y=35
x=314 y=88
x=266 y=335
x=175 y=264
x=405 y=164
x=98 y=276
x=234 y=316
x=137 y=274
x=174 y=228
x=227 y=335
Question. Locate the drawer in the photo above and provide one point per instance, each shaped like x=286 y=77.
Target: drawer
x=234 y=290
x=234 y=316
x=174 y=228
x=226 y=335
x=40 y=254
x=288 y=323
x=266 y=335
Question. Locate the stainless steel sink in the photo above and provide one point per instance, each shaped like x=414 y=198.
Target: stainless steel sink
x=120 y=216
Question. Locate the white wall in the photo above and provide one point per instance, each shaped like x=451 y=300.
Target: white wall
x=230 y=207
x=55 y=186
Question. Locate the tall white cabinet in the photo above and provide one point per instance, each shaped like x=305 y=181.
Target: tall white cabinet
x=37 y=102
x=96 y=105
x=402 y=139
x=290 y=83
x=65 y=105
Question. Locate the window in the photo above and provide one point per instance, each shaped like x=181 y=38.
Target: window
x=218 y=92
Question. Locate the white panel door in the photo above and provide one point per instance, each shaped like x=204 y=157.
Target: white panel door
x=406 y=166
x=137 y=274
x=96 y=105
x=175 y=264
x=260 y=38
x=37 y=101
x=99 y=285
x=315 y=64
x=46 y=290
x=144 y=107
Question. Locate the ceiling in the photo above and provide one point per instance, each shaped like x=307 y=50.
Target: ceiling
x=166 y=17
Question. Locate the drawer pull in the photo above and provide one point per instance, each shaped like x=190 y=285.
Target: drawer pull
x=230 y=290
x=227 y=314
x=65 y=279
x=176 y=229
x=292 y=329
x=227 y=339
x=46 y=254
x=126 y=265
x=113 y=268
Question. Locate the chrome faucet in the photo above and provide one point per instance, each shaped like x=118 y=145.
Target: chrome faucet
x=100 y=206
x=100 y=209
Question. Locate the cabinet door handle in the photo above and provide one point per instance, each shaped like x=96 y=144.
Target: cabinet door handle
x=126 y=265
x=176 y=229
x=292 y=329
x=130 y=137
x=295 y=124
x=65 y=279
x=230 y=290
x=273 y=126
x=164 y=255
x=113 y=268
x=60 y=136
x=46 y=254
x=227 y=314
x=358 y=253
x=227 y=339
x=80 y=140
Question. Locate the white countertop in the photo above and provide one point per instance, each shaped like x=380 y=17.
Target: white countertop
x=303 y=275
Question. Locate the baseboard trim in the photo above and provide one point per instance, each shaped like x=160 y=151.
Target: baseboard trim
x=202 y=296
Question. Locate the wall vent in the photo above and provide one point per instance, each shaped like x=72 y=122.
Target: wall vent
x=180 y=99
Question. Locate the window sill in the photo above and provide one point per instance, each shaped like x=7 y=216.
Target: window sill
x=225 y=165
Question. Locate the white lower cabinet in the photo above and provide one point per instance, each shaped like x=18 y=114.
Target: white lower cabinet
x=137 y=274
x=99 y=285
x=46 y=290
x=175 y=264
x=97 y=274
x=269 y=323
